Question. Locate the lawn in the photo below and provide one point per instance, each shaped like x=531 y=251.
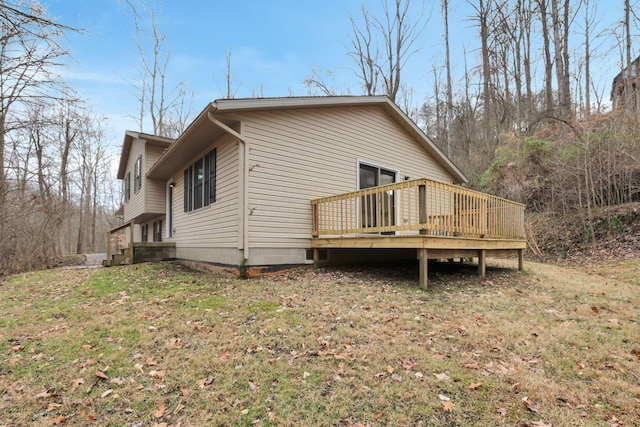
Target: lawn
x=168 y=345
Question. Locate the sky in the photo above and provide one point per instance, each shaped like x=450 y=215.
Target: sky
x=274 y=45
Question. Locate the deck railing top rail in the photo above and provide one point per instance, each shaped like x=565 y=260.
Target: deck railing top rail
x=419 y=206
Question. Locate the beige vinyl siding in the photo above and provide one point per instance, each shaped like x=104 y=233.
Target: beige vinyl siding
x=216 y=225
x=299 y=155
x=155 y=191
x=135 y=206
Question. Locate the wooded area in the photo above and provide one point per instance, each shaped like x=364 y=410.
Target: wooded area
x=528 y=121
x=55 y=183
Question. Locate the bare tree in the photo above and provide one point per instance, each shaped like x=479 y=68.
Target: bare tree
x=548 y=61
x=30 y=53
x=157 y=101
x=629 y=73
x=364 y=53
x=381 y=47
x=449 y=104
x=590 y=11
x=561 y=23
x=229 y=78
x=316 y=81
x=483 y=18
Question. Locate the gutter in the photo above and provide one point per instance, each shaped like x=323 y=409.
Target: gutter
x=243 y=200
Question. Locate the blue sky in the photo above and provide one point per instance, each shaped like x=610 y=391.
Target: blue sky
x=274 y=44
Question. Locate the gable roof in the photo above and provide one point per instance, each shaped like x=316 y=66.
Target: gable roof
x=129 y=136
x=201 y=131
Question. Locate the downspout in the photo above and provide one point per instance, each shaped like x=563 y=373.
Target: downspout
x=244 y=187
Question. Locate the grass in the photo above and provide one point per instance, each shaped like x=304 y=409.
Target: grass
x=159 y=343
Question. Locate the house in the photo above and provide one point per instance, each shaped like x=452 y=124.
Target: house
x=255 y=182
x=626 y=81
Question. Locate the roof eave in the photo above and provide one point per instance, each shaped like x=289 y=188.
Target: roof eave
x=129 y=136
x=159 y=170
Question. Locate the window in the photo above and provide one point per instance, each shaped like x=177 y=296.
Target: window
x=157 y=231
x=200 y=182
x=210 y=178
x=145 y=232
x=198 y=178
x=127 y=187
x=137 y=172
x=170 y=209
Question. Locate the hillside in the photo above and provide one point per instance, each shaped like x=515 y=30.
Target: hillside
x=568 y=240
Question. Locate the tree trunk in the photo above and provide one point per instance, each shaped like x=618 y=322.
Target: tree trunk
x=449 y=106
x=587 y=59
x=628 y=74
x=548 y=62
x=559 y=58
x=486 y=68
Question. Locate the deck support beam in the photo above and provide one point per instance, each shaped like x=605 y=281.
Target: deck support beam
x=424 y=268
x=482 y=262
x=520 y=259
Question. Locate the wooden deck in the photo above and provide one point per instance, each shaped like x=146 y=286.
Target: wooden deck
x=439 y=220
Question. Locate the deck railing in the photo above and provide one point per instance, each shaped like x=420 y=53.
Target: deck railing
x=420 y=206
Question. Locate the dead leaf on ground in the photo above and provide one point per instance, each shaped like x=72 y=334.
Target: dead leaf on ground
x=101 y=375
x=475 y=386
x=541 y=424
x=531 y=405
x=205 y=381
x=407 y=364
x=59 y=420
x=390 y=369
x=501 y=411
x=157 y=374
x=224 y=356
x=595 y=309
x=471 y=366
x=158 y=413
x=77 y=383
x=447 y=406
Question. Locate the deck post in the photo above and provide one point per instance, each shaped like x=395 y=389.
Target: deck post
x=424 y=268
x=316 y=257
x=422 y=208
x=482 y=262
x=520 y=259
x=314 y=231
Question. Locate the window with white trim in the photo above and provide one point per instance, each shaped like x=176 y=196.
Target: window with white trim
x=200 y=182
x=137 y=173
x=127 y=187
x=157 y=231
